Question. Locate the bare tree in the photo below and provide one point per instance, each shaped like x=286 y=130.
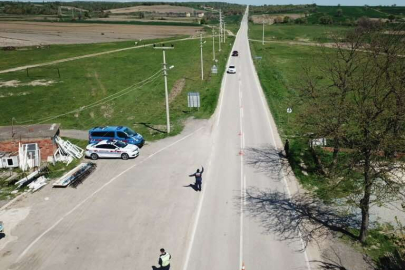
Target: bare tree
x=357 y=97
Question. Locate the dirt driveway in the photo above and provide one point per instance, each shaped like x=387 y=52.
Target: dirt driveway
x=42 y=33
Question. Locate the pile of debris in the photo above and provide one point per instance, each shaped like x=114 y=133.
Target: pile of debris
x=66 y=152
x=76 y=176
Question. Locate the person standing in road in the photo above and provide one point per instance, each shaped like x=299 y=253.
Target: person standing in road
x=164 y=259
x=198 y=178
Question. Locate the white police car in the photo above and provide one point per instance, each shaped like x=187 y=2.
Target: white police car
x=111 y=149
x=231 y=70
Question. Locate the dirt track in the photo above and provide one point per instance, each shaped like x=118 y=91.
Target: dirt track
x=42 y=33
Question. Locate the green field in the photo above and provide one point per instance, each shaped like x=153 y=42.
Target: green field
x=305 y=33
x=83 y=82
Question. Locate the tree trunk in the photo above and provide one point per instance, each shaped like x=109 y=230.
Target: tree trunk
x=336 y=148
x=365 y=201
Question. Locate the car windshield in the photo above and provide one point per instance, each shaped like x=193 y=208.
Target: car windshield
x=130 y=132
x=231 y=66
x=120 y=144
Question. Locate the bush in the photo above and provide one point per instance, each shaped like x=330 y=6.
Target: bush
x=326 y=20
x=301 y=21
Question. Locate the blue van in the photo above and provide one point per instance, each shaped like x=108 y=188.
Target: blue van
x=119 y=133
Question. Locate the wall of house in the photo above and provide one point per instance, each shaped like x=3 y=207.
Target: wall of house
x=47 y=146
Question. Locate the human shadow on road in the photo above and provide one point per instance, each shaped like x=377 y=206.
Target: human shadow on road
x=300 y=216
x=193 y=186
x=267 y=159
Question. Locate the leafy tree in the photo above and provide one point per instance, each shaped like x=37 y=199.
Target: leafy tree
x=357 y=98
x=339 y=12
x=286 y=19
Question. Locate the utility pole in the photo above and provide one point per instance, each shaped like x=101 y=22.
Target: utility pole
x=213 y=44
x=202 y=61
x=165 y=77
x=263 y=33
x=220 y=29
x=224 y=32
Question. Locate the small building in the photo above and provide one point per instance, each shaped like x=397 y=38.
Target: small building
x=188 y=14
x=200 y=14
x=43 y=135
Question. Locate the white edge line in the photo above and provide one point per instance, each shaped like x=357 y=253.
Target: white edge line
x=97 y=191
x=267 y=112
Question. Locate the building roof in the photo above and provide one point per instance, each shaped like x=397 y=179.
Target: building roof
x=27 y=132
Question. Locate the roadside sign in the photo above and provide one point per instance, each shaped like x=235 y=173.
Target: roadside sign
x=193 y=99
x=289 y=110
x=214 y=69
x=258 y=57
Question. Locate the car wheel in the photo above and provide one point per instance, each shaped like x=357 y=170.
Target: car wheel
x=124 y=156
x=94 y=156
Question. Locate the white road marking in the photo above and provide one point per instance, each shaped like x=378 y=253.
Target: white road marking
x=242 y=191
x=267 y=112
x=97 y=191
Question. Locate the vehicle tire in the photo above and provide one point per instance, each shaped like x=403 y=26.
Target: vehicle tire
x=94 y=156
x=124 y=156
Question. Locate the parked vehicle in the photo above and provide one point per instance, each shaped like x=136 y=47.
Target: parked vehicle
x=235 y=53
x=231 y=70
x=118 y=133
x=111 y=149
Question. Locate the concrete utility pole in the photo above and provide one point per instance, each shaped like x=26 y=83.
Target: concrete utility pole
x=166 y=90
x=263 y=34
x=224 y=32
x=213 y=44
x=202 y=61
x=220 y=29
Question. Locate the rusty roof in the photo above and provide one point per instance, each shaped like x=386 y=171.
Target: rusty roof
x=17 y=132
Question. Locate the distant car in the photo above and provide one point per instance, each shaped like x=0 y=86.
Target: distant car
x=231 y=70
x=111 y=149
x=235 y=53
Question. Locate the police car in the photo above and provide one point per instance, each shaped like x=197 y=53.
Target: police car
x=111 y=149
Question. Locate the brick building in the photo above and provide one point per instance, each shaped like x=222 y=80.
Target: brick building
x=43 y=135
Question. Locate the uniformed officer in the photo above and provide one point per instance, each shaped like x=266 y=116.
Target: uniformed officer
x=164 y=259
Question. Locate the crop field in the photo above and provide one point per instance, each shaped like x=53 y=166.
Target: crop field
x=42 y=33
x=153 y=8
x=133 y=77
x=302 y=33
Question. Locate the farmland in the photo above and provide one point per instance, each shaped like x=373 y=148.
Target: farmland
x=85 y=81
x=302 y=33
x=42 y=33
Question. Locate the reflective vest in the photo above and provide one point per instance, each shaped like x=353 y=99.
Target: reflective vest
x=165 y=259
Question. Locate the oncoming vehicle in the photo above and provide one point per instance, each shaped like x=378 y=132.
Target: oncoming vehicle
x=235 y=53
x=231 y=70
x=118 y=133
x=111 y=149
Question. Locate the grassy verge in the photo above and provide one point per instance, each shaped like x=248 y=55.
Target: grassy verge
x=33 y=55
x=86 y=81
x=289 y=32
x=279 y=72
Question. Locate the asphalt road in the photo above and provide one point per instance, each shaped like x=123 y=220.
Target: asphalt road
x=126 y=211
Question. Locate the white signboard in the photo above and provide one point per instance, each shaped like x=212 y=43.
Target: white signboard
x=193 y=99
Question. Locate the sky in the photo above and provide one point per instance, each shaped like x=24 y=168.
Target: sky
x=282 y=2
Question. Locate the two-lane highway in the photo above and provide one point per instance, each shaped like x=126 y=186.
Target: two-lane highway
x=225 y=234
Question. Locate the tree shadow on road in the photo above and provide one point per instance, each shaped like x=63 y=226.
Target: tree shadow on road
x=267 y=159
x=300 y=216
